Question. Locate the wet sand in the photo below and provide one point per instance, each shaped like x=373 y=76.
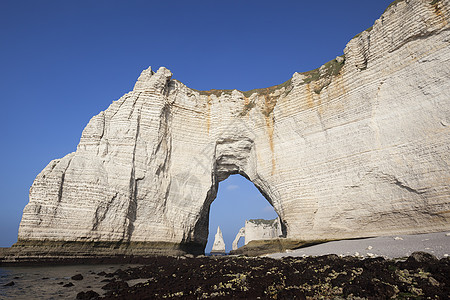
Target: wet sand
x=396 y=246
x=48 y=282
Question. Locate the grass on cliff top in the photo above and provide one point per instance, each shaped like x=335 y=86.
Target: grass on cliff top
x=263 y=221
x=367 y=30
x=389 y=6
x=214 y=92
x=261 y=91
x=269 y=90
x=432 y=2
x=333 y=67
x=393 y=3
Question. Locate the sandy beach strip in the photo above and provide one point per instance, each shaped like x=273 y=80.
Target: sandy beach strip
x=437 y=244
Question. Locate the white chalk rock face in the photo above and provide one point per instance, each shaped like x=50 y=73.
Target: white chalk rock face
x=260 y=229
x=219 y=243
x=359 y=147
x=239 y=235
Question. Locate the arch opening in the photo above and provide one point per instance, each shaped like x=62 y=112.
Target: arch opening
x=233 y=155
x=236 y=201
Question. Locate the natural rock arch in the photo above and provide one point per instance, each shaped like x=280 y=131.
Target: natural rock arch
x=240 y=235
x=233 y=156
x=356 y=148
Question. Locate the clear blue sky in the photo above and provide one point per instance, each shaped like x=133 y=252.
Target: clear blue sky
x=62 y=62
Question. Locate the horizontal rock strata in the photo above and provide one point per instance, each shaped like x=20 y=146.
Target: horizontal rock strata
x=359 y=147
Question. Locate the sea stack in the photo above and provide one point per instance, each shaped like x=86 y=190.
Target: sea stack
x=218 y=247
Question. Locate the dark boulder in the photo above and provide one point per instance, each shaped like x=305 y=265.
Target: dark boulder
x=77 y=277
x=89 y=295
x=68 y=284
x=422 y=257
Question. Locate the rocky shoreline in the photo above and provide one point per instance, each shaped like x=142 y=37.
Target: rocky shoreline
x=420 y=276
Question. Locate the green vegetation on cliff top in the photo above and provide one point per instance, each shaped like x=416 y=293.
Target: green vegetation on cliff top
x=263 y=221
x=333 y=67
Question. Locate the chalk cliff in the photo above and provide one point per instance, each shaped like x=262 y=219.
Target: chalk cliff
x=359 y=147
x=258 y=229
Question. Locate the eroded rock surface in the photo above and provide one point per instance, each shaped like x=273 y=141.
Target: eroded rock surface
x=359 y=147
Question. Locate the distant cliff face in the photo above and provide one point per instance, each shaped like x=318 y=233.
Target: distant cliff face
x=258 y=229
x=359 y=147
